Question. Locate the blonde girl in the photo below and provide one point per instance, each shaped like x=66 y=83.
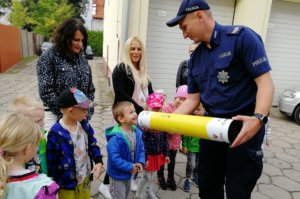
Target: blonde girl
x=19 y=140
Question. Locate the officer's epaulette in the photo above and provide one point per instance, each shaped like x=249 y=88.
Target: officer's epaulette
x=235 y=30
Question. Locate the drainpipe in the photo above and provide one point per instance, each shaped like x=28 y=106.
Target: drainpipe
x=235 y=2
x=126 y=22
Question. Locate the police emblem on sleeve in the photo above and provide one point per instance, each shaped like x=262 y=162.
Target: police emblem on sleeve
x=223 y=76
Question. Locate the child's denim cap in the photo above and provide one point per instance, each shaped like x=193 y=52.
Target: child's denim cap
x=155 y=100
x=74 y=97
x=182 y=91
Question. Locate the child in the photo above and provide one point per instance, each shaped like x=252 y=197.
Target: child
x=125 y=149
x=19 y=140
x=190 y=146
x=174 y=143
x=34 y=110
x=71 y=147
x=156 y=149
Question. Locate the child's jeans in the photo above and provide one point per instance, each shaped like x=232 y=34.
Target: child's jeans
x=82 y=191
x=145 y=184
x=119 y=189
x=192 y=164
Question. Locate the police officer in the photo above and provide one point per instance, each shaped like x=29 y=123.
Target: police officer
x=229 y=71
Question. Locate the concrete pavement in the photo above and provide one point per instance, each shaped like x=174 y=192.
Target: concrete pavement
x=281 y=174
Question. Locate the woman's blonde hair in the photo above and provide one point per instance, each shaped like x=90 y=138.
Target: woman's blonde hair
x=16 y=132
x=142 y=74
x=23 y=104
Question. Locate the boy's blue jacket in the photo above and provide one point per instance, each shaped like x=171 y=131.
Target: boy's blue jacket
x=60 y=154
x=119 y=162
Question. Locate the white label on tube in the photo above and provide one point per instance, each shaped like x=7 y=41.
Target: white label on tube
x=217 y=129
x=144 y=119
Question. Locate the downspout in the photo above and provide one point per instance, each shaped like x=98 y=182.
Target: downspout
x=235 y=2
x=126 y=23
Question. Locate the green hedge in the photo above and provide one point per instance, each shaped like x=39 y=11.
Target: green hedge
x=96 y=42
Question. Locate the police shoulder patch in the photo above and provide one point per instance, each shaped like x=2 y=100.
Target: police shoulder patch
x=234 y=30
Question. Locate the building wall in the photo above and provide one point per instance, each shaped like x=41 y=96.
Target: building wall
x=99 y=9
x=113 y=20
x=97 y=25
x=254 y=14
x=10 y=43
x=122 y=19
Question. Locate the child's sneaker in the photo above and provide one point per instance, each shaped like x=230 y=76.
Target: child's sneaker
x=133 y=185
x=172 y=184
x=195 y=180
x=186 y=186
x=162 y=183
x=151 y=195
x=104 y=190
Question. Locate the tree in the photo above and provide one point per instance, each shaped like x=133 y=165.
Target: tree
x=41 y=16
x=18 y=16
x=80 y=8
x=47 y=15
x=3 y=5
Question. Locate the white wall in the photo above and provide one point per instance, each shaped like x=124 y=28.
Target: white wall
x=88 y=15
x=4 y=18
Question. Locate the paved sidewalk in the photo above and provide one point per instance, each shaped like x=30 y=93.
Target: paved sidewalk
x=281 y=174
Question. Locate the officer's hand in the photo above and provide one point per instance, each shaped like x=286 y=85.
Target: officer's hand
x=251 y=125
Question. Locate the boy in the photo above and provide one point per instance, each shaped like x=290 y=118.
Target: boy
x=71 y=147
x=125 y=149
x=34 y=110
x=190 y=147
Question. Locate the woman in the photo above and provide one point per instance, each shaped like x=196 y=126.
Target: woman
x=182 y=73
x=63 y=66
x=131 y=83
x=130 y=78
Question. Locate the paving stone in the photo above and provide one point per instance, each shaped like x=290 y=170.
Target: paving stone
x=278 y=163
x=286 y=157
x=293 y=152
x=264 y=179
x=285 y=183
x=273 y=192
x=271 y=170
x=258 y=195
x=296 y=195
x=296 y=166
x=292 y=174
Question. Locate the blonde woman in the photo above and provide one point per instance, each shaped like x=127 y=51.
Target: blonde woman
x=131 y=83
x=130 y=77
x=19 y=140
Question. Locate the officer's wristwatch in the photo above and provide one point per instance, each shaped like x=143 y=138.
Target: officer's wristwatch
x=263 y=118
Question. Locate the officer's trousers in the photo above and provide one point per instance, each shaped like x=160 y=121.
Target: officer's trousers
x=237 y=168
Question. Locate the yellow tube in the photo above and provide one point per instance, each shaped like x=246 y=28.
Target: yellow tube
x=217 y=129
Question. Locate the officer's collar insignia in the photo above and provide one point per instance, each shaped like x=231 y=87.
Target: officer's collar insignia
x=223 y=76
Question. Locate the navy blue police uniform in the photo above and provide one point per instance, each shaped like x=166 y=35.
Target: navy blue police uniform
x=224 y=76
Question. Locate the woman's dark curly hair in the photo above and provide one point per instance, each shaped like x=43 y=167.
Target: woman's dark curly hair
x=64 y=34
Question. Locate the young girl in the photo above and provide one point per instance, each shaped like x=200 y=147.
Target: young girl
x=156 y=150
x=174 y=142
x=19 y=140
x=34 y=110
